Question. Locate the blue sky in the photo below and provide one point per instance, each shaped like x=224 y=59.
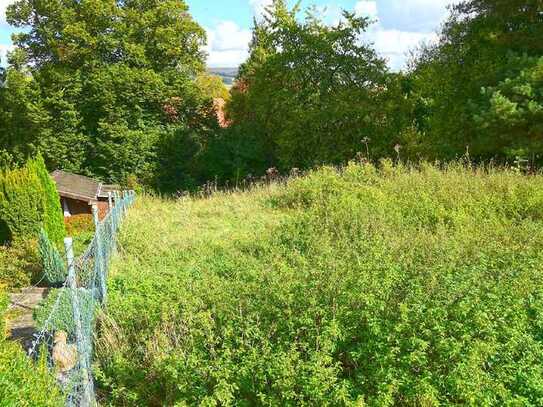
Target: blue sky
x=400 y=26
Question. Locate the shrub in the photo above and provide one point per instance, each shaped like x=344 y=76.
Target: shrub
x=54 y=269
x=78 y=224
x=23 y=382
x=53 y=218
x=28 y=202
x=20 y=264
x=21 y=204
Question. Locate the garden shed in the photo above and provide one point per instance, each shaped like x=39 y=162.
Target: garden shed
x=79 y=193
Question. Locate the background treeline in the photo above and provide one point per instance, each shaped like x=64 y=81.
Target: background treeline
x=316 y=94
x=118 y=90
x=107 y=89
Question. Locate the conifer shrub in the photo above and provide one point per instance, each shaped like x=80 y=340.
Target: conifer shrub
x=54 y=269
x=53 y=218
x=29 y=201
x=22 y=205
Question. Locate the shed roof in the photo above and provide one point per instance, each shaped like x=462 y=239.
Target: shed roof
x=80 y=187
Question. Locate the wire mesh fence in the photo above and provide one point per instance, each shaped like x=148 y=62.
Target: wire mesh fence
x=66 y=321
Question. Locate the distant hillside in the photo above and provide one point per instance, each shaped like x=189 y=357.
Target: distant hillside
x=227 y=74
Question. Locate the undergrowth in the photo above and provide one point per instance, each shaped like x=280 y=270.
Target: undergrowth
x=19 y=264
x=379 y=286
x=22 y=381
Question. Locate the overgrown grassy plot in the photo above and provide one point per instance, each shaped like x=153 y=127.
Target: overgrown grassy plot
x=388 y=286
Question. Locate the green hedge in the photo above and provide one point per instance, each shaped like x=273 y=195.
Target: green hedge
x=29 y=201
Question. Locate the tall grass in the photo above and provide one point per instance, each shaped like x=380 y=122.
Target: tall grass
x=374 y=286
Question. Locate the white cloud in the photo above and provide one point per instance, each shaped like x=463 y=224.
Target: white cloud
x=394 y=43
x=366 y=9
x=228 y=36
x=413 y=15
x=228 y=44
x=330 y=13
x=4 y=49
x=259 y=6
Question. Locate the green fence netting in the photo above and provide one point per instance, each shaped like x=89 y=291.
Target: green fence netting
x=67 y=318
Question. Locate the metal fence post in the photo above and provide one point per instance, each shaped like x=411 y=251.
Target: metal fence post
x=118 y=204
x=123 y=200
x=79 y=338
x=109 y=201
x=115 y=222
x=99 y=260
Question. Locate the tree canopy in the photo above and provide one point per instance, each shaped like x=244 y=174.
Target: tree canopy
x=119 y=90
x=98 y=85
x=482 y=81
x=313 y=91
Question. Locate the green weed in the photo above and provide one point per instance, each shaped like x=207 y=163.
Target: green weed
x=377 y=286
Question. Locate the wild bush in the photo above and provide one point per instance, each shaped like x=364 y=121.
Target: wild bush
x=20 y=264
x=22 y=381
x=376 y=286
x=79 y=224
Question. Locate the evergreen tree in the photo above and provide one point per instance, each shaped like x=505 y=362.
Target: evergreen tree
x=53 y=218
x=481 y=82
